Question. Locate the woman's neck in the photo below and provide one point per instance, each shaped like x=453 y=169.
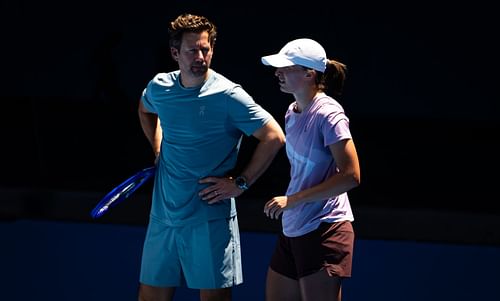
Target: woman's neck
x=303 y=100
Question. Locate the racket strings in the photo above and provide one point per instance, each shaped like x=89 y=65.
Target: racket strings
x=122 y=191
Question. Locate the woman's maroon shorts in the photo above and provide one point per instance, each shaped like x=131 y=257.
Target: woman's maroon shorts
x=329 y=247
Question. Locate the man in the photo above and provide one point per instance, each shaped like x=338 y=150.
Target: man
x=194 y=119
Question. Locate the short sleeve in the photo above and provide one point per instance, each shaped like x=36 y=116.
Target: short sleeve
x=335 y=128
x=245 y=113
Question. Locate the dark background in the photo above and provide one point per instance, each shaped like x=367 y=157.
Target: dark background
x=421 y=94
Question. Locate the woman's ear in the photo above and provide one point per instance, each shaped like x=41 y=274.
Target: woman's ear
x=310 y=72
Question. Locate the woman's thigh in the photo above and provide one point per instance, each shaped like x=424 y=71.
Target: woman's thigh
x=281 y=288
x=320 y=286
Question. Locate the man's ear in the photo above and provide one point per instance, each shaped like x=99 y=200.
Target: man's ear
x=174 y=53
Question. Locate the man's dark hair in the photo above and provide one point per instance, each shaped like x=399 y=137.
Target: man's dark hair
x=190 y=23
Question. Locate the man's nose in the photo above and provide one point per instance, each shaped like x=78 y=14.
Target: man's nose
x=198 y=54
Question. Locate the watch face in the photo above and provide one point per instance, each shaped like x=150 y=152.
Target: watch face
x=241 y=183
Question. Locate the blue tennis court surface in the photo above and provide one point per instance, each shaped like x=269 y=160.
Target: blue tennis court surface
x=68 y=261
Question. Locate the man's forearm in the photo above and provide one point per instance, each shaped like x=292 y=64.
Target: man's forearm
x=271 y=139
x=261 y=159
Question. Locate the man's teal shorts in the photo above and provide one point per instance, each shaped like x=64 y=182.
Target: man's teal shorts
x=201 y=256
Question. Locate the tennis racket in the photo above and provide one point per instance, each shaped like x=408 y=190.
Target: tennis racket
x=122 y=191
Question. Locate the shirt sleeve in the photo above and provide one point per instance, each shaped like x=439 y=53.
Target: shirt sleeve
x=146 y=98
x=245 y=113
x=335 y=128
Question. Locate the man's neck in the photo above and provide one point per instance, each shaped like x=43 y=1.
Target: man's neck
x=193 y=81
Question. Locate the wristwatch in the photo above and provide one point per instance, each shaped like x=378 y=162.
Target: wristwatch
x=241 y=182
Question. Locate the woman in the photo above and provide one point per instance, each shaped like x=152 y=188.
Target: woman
x=314 y=250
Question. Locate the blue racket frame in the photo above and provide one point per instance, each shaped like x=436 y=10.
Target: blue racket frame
x=122 y=191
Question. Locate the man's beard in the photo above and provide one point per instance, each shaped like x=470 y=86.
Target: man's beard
x=199 y=70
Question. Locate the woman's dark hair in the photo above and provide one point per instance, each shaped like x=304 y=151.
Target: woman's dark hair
x=333 y=78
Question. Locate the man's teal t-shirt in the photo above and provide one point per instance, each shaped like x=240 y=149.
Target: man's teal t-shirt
x=202 y=130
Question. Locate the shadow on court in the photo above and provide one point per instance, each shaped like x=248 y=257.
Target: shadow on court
x=65 y=261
